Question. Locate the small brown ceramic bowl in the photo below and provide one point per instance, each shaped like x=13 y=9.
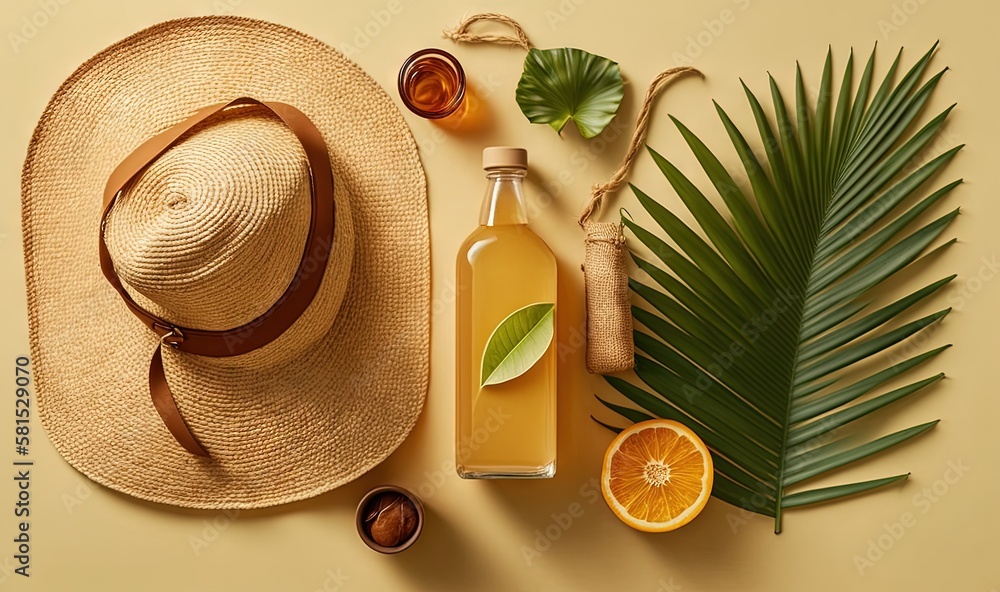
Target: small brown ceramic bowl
x=364 y=509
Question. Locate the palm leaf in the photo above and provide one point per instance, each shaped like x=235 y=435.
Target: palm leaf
x=752 y=322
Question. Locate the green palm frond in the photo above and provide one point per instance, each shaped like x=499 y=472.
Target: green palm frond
x=749 y=330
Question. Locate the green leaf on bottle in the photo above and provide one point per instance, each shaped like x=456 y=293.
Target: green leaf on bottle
x=518 y=342
x=567 y=83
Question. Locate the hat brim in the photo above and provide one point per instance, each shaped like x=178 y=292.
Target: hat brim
x=279 y=433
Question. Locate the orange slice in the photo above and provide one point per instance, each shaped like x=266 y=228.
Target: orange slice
x=657 y=475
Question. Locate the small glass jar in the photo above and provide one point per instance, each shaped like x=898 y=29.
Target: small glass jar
x=432 y=83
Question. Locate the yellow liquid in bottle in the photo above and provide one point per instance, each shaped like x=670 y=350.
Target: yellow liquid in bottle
x=508 y=429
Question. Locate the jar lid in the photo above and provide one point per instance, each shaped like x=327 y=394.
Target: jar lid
x=501 y=157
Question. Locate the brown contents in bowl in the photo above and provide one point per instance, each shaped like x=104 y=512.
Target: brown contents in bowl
x=390 y=519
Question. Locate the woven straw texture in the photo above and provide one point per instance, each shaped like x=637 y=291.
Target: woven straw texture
x=208 y=237
x=609 y=318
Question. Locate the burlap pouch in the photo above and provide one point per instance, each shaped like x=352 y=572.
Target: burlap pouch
x=605 y=271
x=609 y=316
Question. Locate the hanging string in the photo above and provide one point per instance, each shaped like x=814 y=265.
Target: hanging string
x=641 y=125
x=460 y=34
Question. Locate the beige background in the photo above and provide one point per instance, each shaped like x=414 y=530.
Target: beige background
x=87 y=537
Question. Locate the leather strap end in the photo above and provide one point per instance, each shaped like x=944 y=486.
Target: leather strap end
x=165 y=405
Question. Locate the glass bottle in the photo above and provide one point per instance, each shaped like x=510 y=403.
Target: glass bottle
x=506 y=429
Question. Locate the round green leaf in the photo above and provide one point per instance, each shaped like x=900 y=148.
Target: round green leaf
x=518 y=342
x=566 y=83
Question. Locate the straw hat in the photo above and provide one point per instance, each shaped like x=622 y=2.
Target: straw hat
x=280 y=325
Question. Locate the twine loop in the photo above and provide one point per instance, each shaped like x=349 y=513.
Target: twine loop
x=460 y=34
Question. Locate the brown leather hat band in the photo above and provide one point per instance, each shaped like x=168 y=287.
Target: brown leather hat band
x=300 y=292
x=286 y=309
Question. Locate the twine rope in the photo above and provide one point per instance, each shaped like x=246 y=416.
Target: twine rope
x=460 y=34
x=641 y=125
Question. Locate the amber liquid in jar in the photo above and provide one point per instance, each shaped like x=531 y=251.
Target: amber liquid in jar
x=432 y=84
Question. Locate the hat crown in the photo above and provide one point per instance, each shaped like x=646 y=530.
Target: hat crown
x=211 y=233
